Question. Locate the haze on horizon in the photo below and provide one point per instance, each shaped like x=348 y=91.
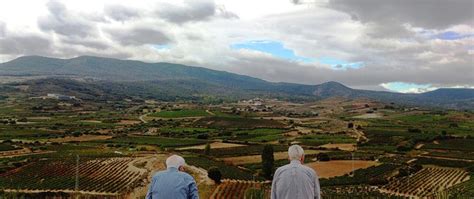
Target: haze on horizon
x=404 y=46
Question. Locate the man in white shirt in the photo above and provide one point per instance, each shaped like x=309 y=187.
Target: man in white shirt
x=295 y=180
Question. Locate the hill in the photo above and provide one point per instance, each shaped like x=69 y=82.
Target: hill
x=175 y=81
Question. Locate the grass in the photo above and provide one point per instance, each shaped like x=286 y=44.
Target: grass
x=189 y=130
x=229 y=172
x=259 y=135
x=7 y=147
x=321 y=139
x=180 y=113
x=151 y=140
x=238 y=122
x=453 y=144
x=30 y=134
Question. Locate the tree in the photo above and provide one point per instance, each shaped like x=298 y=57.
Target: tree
x=323 y=157
x=203 y=136
x=215 y=174
x=350 y=125
x=267 y=162
x=207 y=149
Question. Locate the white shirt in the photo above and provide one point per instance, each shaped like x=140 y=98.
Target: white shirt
x=295 y=181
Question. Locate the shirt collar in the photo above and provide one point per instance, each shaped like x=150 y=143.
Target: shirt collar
x=172 y=169
x=295 y=162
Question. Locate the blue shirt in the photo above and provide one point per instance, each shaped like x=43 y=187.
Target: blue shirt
x=295 y=180
x=172 y=184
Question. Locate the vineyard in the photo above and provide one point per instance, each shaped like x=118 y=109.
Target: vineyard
x=230 y=189
x=425 y=182
x=361 y=191
x=462 y=190
x=103 y=176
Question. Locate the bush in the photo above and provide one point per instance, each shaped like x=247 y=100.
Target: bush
x=203 y=136
x=215 y=174
x=207 y=149
x=323 y=157
x=350 y=125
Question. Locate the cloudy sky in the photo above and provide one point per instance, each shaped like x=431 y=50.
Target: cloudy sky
x=398 y=45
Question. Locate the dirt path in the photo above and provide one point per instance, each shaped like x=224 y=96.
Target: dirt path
x=446 y=158
x=25 y=154
x=210 y=113
x=142 y=118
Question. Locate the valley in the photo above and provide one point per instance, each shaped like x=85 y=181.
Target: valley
x=110 y=148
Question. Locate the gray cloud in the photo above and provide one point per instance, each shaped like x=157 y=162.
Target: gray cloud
x=88 y=43
x=2 y=29
x=139 y=36
x=120 y=13
x=432 y=14
x=61 y=22
x=381 y=35
x=224 y=13
x=25 y=45
x=369 y=77
x=196 y=10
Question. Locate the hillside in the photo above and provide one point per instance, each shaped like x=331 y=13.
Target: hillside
x=175 y=81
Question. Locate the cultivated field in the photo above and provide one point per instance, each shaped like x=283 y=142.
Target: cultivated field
x=359 y=148
x=339 y=167
x=104 y=176
x=426 y=182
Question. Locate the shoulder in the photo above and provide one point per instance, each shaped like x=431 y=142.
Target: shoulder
x=309 y=170
x=282 y=168
x=186 y=176
x=158 y=174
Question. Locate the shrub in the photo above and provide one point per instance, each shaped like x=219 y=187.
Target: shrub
x=323 y=157
x=207 y=149
x=215 y=174
x=203 y=136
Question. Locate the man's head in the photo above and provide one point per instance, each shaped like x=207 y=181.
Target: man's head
x=295 y=152
x=175 y=161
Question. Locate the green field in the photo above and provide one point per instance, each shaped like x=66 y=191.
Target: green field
x=7 y=147
x=453 y=144
x=259 y=135
x=157 y=141
x=181 y=113
x=321 y=139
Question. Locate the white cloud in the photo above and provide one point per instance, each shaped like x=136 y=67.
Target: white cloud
x=395 y=45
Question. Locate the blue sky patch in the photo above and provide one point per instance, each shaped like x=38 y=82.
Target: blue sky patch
x=274 y=48
x=277 y=49
x=161 y=47
x=451 y=35
x=340 y=64
x=405 y=87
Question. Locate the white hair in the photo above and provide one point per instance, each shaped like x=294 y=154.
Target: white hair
x=175 y=161
x=295 y=152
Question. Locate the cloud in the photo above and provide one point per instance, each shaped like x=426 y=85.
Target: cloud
x=120 y=12
x=360 y=43
x=426 y=14
x=60 y=21
x=139 y=36
x=406 y=87
x=2 y=29
x=25 y=45
x=187 y=11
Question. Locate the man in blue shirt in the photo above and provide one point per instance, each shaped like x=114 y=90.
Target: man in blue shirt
x=173 y=183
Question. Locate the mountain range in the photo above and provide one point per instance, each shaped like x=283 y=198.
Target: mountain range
x=96 y=76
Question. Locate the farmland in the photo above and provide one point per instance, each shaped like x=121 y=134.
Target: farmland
x=359 y=148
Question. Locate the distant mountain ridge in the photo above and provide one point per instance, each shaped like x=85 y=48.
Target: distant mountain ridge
x=182 y=80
